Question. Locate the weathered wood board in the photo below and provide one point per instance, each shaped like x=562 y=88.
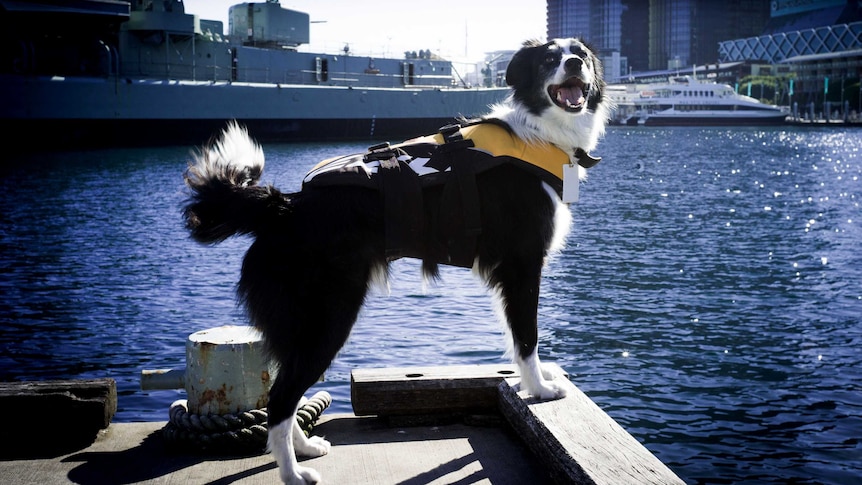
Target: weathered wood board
x=45 y=418
x=578 y=442
x=427 y=390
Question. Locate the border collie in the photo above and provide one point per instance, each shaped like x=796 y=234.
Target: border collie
x=315 y=252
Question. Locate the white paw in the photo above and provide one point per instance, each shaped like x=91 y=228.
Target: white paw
x=553 y=372
x=301 y=476
x=313 y=447
x=551 y=390
x=546 y=390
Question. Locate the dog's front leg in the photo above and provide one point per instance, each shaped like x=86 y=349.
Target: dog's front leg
x=519 y=293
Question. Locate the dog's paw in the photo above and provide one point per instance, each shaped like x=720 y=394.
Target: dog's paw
x=546 y=390
x=312 y=447
x=553 y=372
x=549 y=390
x=301 y=476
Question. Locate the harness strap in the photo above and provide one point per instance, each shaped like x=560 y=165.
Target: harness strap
x=459 y=219
x=401 y=191
x=460 y=194
x=450 y=162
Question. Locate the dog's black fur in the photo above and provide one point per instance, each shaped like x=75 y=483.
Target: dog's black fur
x=315 y=252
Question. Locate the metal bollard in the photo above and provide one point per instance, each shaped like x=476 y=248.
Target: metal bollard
x=227 y=371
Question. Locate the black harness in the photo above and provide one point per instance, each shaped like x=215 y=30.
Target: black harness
x=403 y=173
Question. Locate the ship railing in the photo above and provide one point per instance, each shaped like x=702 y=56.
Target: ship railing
x=341 y=78
x=175 y=71
x=216 y=73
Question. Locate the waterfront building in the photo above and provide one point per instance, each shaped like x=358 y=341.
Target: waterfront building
x=820 y=43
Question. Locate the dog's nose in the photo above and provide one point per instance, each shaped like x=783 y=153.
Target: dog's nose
x=574 y=64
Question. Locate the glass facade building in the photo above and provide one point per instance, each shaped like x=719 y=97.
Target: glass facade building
x=656 y=34
x=778 y=47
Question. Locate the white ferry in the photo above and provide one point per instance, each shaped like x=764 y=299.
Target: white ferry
x=686 y=101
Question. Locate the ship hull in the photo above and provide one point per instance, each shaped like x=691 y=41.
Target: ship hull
x=77 y=112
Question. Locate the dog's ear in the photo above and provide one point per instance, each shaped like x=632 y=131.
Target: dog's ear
x=598 y=89
x=519 y=74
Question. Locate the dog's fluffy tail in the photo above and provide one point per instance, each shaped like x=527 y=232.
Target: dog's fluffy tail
x=225 y=199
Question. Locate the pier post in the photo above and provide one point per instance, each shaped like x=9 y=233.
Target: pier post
x=227 y=371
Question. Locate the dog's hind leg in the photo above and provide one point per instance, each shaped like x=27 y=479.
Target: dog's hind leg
x=287 y=441
x=308 y=446
x=304 y=358
x=316 y=313
x=282 y=448
x=296 y=374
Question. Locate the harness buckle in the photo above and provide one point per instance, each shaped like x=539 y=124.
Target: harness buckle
x=380 y=153
x=378 y=147
x=451 y=133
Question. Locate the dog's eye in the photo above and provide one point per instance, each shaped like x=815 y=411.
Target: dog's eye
x=551 y=58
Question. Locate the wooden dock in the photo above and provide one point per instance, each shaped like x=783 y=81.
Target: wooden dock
x=463 y=424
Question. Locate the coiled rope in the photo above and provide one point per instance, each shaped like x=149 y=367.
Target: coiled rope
x=235 y=432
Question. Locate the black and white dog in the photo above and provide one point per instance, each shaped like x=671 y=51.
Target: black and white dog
x=315 y=252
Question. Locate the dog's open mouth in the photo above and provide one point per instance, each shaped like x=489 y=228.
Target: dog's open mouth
x=570 y=95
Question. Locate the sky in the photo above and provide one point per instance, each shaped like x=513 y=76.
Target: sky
x=457 y=30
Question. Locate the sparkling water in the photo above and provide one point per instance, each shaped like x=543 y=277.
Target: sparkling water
x=709 y=298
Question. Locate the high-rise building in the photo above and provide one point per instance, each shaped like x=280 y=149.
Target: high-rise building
x=687 y=32
x=634 y=34
x=599 y=22
x=656 y=34
x=670 y=33
x=568 y=18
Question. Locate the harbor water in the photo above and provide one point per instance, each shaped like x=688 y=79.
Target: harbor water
x=709 y=298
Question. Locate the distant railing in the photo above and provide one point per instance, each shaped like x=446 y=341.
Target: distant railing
x=214 y=73
x=342 y=78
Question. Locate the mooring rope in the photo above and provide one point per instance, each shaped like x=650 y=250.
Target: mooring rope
x=243 y=431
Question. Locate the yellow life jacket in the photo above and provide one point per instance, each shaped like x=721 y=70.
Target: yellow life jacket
x=452 y=158
x=500 y=142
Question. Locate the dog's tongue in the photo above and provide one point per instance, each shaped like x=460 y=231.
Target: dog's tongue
x=571 y=95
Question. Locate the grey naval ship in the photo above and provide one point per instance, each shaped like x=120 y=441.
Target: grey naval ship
x=117 y=73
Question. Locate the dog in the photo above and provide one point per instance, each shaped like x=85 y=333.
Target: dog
x=315 y=252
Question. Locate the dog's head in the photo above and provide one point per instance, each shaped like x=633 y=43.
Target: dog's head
x=562 y=74
x=557 y=94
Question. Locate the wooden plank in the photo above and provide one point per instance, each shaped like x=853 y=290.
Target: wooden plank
x=405 y=391
x=46 y=418
x=579 y=442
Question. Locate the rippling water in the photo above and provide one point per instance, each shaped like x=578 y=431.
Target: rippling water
x=710 y=298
